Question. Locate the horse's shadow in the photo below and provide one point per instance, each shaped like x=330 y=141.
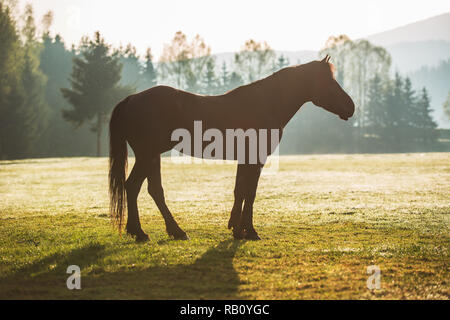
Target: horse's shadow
x=211 y=276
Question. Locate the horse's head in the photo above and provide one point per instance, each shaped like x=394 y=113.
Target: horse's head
x=327 y=93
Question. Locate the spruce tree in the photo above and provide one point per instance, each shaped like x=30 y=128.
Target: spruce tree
x=22 y=86
x=224 y=78
x=95 y=88
x=10 y=93
x=210 y=81
x=427 y=125
x=235 y=80
x=410 y=116
x=376 y=106
x=131 y=67
x=281 y=63
x=34 y=82
x=398 y=114
x=149 y=72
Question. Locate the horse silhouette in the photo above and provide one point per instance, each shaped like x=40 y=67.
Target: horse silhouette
x=148 y=119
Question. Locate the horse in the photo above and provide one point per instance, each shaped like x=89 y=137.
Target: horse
x=147 y=120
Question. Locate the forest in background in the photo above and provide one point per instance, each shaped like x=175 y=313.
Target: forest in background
x=55 y=101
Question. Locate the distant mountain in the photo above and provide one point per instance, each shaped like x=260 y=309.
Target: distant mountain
x=421 y=50
x=435 y=28
x=411 y=56
x=426 y=42
x=422 y=43
x=418 y=50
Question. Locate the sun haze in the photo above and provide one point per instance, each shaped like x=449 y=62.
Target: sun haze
x=285 y=25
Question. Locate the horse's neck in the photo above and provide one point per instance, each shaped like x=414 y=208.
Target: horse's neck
x=285 y=92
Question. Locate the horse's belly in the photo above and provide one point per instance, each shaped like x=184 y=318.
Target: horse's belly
x=249 y=147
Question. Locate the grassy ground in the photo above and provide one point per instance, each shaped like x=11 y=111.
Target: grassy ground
x=323 y=220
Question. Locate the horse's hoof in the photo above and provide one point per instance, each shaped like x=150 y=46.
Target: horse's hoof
x=232 y=224
x=234 y=221
x=179 y=235
x=142 y=237
x=183 y=236
x=253 y=236
x=238 y=234
x=131 y=232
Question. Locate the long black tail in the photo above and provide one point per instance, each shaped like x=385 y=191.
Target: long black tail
x=117 y=165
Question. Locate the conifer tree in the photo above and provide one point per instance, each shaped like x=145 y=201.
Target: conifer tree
x=224 y=78
x=10 y=94
x=376 y=106
x=211 y=82
x=131 y=67
x=426 y=125
x=35 y=108
x=95 y=88
x=149 y=73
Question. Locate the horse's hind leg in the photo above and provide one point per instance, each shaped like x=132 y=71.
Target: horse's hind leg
x=133 y=186
x=156 y=191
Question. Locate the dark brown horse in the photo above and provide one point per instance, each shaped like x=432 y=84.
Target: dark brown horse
x=148 y=119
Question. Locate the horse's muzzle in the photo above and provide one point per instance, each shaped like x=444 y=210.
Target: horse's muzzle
x=349 y=109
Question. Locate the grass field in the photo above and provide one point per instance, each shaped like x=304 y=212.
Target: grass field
x=323 y=219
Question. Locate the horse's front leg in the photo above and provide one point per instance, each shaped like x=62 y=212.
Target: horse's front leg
x=247 y=188
x=239 y=190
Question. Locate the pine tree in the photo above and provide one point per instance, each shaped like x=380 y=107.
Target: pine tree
x=95 y=85
x=235 y=80
x=427 y=125
x=281 y=63
x=224 y=78
x=398 y=114
x=131 y=67
x=10 y=93
x=376 y=106
x=34 y=81
x=391 y=111
x=60 y=139
x=210 y=81
x=149 y=73
x=409 y=99
x=410 y=116
x=22 y=86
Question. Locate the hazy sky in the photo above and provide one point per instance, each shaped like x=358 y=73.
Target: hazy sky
x=225 y=25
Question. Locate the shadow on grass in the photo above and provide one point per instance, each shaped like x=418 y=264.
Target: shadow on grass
x=58 y=262
x=212 y=276
x=46 y=277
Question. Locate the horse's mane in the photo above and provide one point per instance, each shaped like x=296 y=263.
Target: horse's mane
x=332 y=69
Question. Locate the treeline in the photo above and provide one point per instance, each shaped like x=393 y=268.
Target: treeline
x=56 y=101
x=396 y=119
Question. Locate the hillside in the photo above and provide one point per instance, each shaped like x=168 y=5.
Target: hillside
x=414 y=47
x=434 y=28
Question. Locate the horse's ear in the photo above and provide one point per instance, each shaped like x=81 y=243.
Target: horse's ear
x=326 y=59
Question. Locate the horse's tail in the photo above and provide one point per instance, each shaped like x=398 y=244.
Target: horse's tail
x=117 y=165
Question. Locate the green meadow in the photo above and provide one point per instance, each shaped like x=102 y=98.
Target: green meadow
x=324 y=219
